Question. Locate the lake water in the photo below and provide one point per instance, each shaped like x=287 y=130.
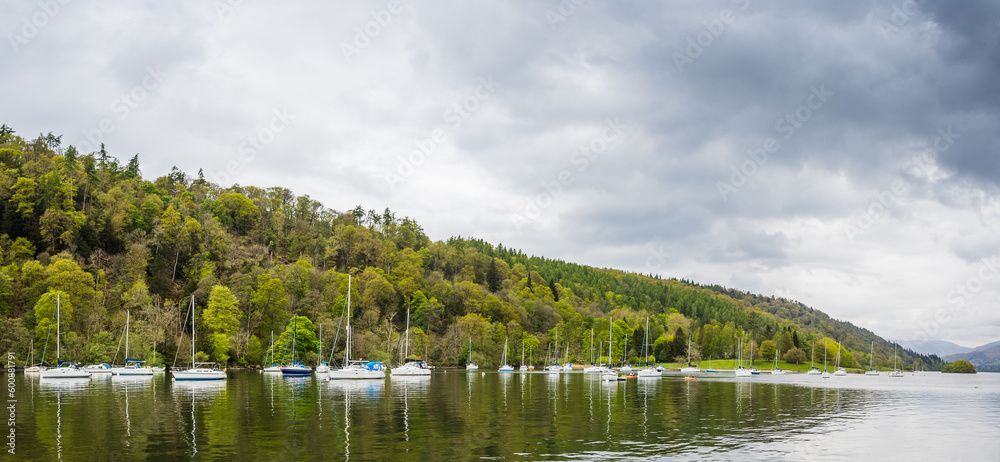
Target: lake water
x=454 y=415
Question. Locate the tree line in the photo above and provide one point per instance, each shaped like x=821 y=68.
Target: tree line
x=94 y=233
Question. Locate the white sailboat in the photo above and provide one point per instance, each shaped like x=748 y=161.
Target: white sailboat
x=71 y=370
x=774 y=368
x=871 y=358
x=132 y=366
x=840 y=372
x=505 y=367
x=648 y=371
x=32 y=368
x=195 y=372
x=554 y=367
x=593 y=368
x=524 y=367
x=896 y=372
x=410 y=367
x=270 y=351
x=689 y=369
x=740 y=371
x=321 y=366
x=355 y=369
x=567 y=366
x=813 y=370
x=609 y=375
x=826 y=373
x=469 y=365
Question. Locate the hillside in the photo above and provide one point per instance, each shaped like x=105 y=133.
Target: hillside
x=986 y=358
x=106 y=241
x=934 y=347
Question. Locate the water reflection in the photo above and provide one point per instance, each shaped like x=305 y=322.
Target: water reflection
x=489 y=415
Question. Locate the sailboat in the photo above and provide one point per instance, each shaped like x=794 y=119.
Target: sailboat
x=593 y=368
x=32 y=368
x=270 y=351
x=524 y=367
x=505 y=367
x=840 y=372
x=690 y=369
x=568 y=366
x=741 y=371
x=648 y=371
x=813 y=370
x=132 y=366
x=553 y=367
x=774 y=368
x=826 y=373
x=195 y=372
x=321 y=366
x=469 y=365
x=295 y=368
x=609 y=374
x=411 y=367
x=896 y=372
x=871 y=358
x=355 y=369
x=71 y=370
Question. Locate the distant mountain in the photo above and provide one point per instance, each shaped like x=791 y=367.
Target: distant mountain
x=934 y=347
x=985 y=358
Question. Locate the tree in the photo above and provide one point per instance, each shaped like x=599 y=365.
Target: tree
x=960 y=366
x=223 y=313
x=304 y=339
x=794 y=356
x=767 y=349
x=493 y=277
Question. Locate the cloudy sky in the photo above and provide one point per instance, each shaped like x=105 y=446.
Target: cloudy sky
x=844 y=155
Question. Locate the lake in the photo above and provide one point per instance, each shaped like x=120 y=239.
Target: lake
x=454 y=415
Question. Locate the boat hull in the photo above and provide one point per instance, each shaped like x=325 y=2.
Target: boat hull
x=193 y=375
x=65 y=373
x=351 y=373
x=131 y=371
x=296 y=371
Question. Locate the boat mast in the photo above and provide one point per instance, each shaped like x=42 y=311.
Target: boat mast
x=128 y=315
x=57 y=329
x=611 y=326
x=406 y=352
x=192 y=331
x=347 y=351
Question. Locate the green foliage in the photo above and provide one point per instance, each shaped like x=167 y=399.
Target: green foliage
x=305 y=340
x=795 y=356
x=960 y=366
x=111 y=241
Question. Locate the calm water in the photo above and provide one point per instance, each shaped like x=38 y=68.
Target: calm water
x=453 y=415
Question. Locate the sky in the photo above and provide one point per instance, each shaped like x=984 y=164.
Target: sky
x=842 y=154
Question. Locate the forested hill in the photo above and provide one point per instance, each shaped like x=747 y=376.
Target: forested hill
x=106 y=241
